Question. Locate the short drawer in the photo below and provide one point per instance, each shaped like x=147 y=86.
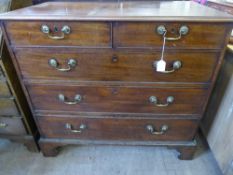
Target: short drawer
x=145 y=35
x=107 y=65
x=80 y=98
x=82 y=34
x=12 y=125
x=8 y=107
x=4 y=89
x=117 y=129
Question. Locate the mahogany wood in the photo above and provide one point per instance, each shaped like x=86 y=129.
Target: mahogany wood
x=117 y=99
x=117 y=129
x=124 y=11
x=108 y=65
x=83 y=34
x=115 y=47
x=141 y=34
x=50 y=147
x=186 y=153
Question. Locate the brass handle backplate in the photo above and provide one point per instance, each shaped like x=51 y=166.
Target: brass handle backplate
x=65 y=30
x=161 y=30
x=152 y=130
x=154 y=100
x=71 y=63
x=175 y=66
x=3 y=125
x=77 y=99
x=70 y=128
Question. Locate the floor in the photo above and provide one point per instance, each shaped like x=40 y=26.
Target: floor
x=104 y=160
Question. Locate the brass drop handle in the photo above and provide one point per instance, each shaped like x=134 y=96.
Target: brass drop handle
x=3 y=125
x=65 y=30
x=71 y=63
x=175 y=66
x=152 y=130
x=77 y=99
x=154 y=100
x=161 y=30
x=70 y=128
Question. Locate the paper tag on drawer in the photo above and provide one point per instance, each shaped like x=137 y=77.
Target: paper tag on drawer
x=160 y=66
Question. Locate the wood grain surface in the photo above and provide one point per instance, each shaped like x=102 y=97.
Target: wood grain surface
x=123 y=11
x=110 y=65
x=83 y=34
x=115 y=45
x=144 y=35
x=117 y=129
x=117 y=99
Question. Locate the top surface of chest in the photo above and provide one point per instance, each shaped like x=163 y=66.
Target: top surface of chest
x=123 y=11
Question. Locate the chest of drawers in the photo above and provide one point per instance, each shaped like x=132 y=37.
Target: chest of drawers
x=89 y=70
x=16 y=122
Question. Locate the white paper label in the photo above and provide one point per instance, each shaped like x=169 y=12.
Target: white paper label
x=161 y=66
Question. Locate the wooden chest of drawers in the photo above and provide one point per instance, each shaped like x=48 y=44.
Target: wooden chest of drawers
x=16 y=121
x=90 y=70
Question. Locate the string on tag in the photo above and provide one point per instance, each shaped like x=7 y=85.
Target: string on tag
x=164 y=43
x=161 y=64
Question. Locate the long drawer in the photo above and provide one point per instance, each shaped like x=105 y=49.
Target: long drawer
x=12 y=125
x=80 y=98
x=145 y=35
x=117 y=129
x=8 y=107
x=107 y=65
x=82 y=34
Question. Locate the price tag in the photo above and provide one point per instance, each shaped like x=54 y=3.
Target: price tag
x=161 y=66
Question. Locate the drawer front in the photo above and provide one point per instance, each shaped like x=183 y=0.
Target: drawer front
x=4 y=89
x=83 y=34
x=145 y=34
x=13 y=126
x=8 y=107
x=115 y=66
x=117 y=129
x=117 y=99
